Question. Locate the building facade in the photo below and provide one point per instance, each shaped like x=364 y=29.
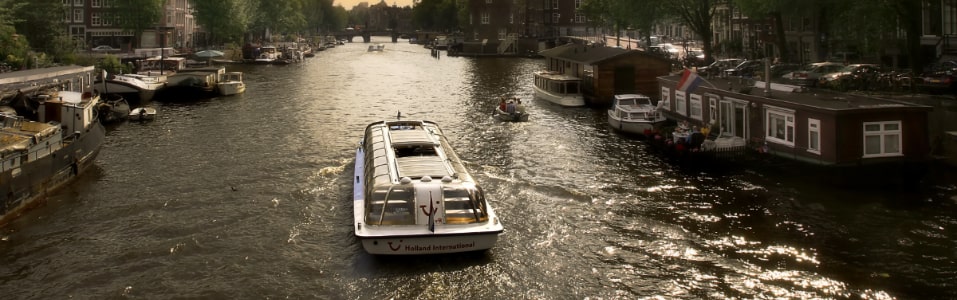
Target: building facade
x=90 y=23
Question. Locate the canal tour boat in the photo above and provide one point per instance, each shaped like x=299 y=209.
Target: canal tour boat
x=634 y=113
x=558 y=88
x=412 y=194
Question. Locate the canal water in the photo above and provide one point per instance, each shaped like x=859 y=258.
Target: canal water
x=248 y=197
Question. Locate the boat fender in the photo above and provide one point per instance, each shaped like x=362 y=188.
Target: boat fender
x=405 y=180
x=426 y=178
x=446 y=179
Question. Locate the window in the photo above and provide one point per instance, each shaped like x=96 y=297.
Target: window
x=578 y=4
x=95 y=3
x=814 y=136
x=681 y=103
x=580 y=18
x=555 y=17
x=882 y=139
x=485 y=18
x=78 y=16
x=665 y=98
x=107 y=19
x=502 y=32
x=696 y=106
x=77 y=2
x=95 y=19
x=712 y=109
x=511 y=18
x=779 y=123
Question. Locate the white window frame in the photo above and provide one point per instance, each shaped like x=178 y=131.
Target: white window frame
x=556 y=17
x=681 y=103
x=884 y=135
x=511 y=18
x=712 y=108
x=665 y=98
x=95 y=19
x=578 y=4
x=77 y=16
x=485 y=18
x=695 y=107
x=814 y=136
x=502 y=33
x=554 y=4
x=771 y=117
x=580 y=18
x=95 y=3
x=78 y=3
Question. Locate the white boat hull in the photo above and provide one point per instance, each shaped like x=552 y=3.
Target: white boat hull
x=569 y=100
x=231 y=88
x=428 y=244
x=629 y=126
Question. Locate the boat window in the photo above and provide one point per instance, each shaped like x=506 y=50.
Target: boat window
x=572 y=88
x=628 y=101
x=415 y=150
x=391 y=206
x=464 y=206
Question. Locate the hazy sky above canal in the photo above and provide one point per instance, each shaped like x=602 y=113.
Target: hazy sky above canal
x=349 y=4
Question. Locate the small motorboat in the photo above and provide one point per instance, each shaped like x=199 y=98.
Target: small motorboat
x=142 y=114
x=518 y=116
x=113 y=108
x=514 y=111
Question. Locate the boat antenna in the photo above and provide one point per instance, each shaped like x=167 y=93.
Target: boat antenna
x=398 y=115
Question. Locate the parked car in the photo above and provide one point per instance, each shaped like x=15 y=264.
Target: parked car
x=105 y=49
x=745 y=68
x=694 y=58
x=718 y=66
x=810 y=74
x=854 y=76
x=940 y=77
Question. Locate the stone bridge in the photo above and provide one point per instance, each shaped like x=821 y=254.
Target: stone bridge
x=366 y=35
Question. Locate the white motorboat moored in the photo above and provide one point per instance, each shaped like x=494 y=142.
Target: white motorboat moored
x=634 y=113
x=142 y=114
x=231 y=83
x=413 y=195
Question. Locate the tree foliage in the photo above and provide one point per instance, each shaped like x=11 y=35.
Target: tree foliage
x=697 y=16
x=436 y=15
x=223 y=20
x=137 y=15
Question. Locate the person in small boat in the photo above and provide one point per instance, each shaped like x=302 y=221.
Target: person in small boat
x=501 y=104
x=519 y=107
x=510 y=107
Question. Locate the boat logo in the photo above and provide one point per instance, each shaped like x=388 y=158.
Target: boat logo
x=397 y=246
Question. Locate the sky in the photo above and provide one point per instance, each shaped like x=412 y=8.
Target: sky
x=348 y=4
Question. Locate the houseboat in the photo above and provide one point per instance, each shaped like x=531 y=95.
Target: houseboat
x=605 y=71
x=134 y=87
x=50 y=134
x=820 y=127
x=558 y=88
x=413 y=195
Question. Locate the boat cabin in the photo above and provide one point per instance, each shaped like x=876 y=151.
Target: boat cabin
x=409 y=167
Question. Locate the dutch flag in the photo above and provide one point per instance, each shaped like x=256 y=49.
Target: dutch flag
x=689 y=81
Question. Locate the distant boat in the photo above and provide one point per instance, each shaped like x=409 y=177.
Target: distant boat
x=142 y=114
x=558 y=88
x=376 y=48
x=231 y=83
x=138 y=86
x=113 y=108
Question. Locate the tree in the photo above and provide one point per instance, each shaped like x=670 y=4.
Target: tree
x=697 y=15
x=223 y=20
x=13 y=47
x=42 y=21
x=137 y=16
x=437 y=15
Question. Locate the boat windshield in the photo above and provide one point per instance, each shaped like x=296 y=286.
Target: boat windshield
x=392 y=206
x=464 y=206
x=626 y=101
